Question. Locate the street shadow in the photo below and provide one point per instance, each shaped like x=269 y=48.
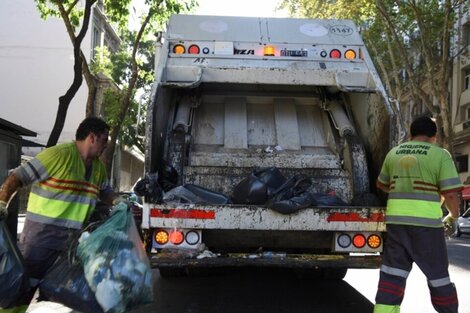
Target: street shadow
x=255 y=291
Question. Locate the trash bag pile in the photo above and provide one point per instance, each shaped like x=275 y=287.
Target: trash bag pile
x=13 y=278
x=189 y=193
x=263 y=186
x=65 y=283
x=115 y=264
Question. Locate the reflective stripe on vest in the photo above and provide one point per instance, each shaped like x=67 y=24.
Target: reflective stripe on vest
x=415 y=196
x=449 y=182
x=63 y=199
x=413 y=220
x=53 y=221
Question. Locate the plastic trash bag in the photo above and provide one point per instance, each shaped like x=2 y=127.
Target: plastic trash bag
x=13 y=278
x=149 y=188
x=258 y=187
x=65 y=283
x=328 y=200
x=189 y=193
x=292 y=196
x=167 y=176
x=115 y=264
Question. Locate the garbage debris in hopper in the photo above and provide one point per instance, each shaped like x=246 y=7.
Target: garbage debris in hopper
x=263 y=186
x=189 y=193
x=149 y=188
x=115 y=264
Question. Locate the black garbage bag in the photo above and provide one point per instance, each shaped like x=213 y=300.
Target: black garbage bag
x=189 y=193
x=323 y=199
x=13 y=277
x=167 y=177
x=149 y=188
x=292 y=196
x=258 y=187
x=65 y=283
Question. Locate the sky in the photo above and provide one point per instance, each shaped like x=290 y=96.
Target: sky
x=253 y=8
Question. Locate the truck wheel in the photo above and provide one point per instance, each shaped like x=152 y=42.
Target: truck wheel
x=334 y=273
x=172 y=272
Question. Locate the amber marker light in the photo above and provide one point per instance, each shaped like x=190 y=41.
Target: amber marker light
x=176 y=237
x=179 y=49
x=374 y=241
x=350 y=54
x=359 y=241
x=268 y=51
x=161 y=237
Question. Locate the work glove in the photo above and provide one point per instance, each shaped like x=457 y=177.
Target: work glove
x=3 y=210
x=449 y=225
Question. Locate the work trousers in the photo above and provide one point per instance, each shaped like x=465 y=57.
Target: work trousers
x=426 y=247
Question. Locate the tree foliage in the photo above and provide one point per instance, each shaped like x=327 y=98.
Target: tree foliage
x=131 y=67
x=410 y=43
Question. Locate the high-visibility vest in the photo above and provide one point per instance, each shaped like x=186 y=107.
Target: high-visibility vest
x=417 y=173
x=61 y=195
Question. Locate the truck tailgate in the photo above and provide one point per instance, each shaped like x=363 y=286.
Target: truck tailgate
x=261 y=218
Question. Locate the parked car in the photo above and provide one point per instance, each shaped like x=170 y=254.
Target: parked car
x=463 y=224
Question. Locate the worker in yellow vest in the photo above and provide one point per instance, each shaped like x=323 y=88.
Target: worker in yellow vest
x=66 y=182
x=416 y=175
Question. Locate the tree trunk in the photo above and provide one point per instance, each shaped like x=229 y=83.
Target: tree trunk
x=64 y=101
x=126 y=99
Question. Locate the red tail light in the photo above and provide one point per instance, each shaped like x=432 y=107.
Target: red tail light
x=176 y=237
x=359 y=240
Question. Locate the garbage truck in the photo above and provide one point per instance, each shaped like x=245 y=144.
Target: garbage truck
x=233 y=95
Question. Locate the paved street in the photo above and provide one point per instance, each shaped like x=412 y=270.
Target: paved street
x=256 y=291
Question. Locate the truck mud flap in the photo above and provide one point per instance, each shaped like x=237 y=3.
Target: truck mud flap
x=290 y=261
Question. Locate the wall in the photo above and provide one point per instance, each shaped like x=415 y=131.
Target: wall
x=36 y=58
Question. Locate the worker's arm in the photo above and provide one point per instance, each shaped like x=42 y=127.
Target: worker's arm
x=7 y=190
x=452 y=203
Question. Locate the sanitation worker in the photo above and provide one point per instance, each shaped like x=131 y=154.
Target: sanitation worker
x=416 y=174
x=66 y=182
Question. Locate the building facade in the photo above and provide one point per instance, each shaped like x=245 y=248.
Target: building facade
x=460 y=90
x=36 y=58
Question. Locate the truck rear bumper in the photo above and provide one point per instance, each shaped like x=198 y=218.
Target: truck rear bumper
x=288 y=261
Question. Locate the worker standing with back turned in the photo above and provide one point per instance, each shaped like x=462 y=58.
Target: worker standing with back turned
x=417 y=175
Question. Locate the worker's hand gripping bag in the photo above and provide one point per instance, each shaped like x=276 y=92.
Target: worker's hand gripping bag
x=115 y=263
x=65 y=283
x=13 y=279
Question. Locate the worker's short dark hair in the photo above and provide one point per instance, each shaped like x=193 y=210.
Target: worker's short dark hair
x=95 y=125
x=423 y=126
